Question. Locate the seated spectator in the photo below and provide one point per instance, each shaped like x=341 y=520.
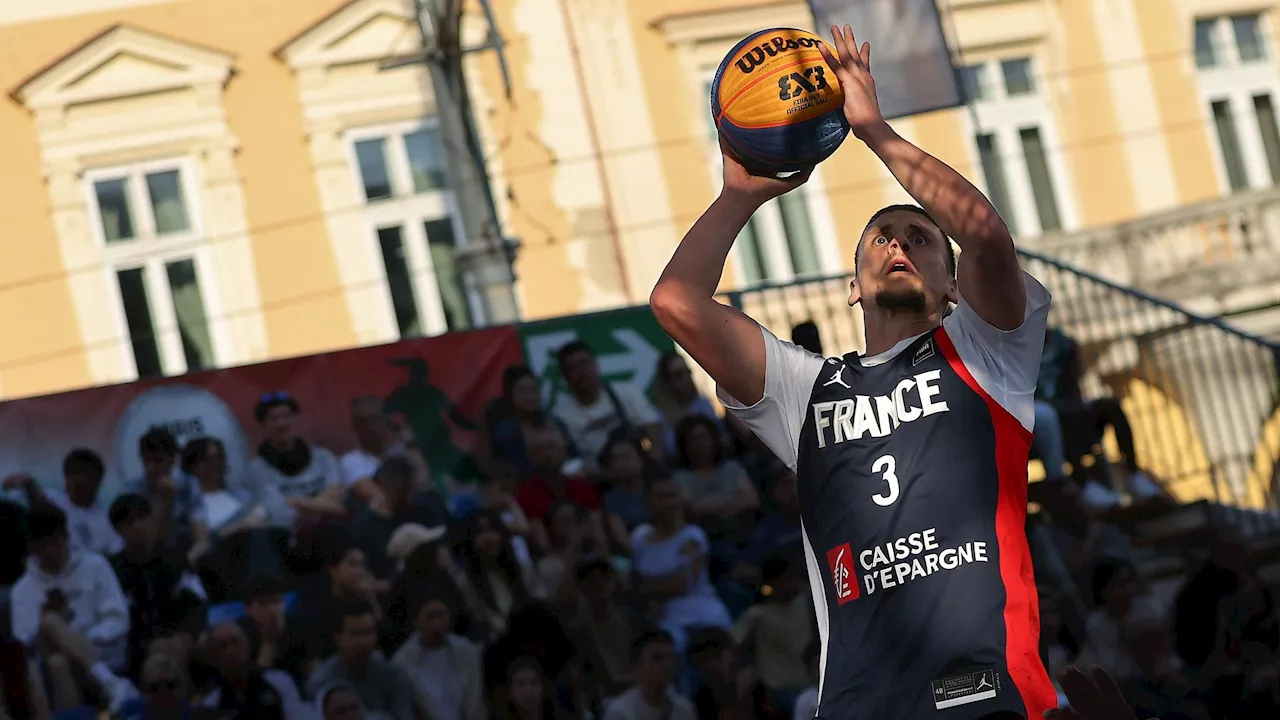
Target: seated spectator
x=522 y=403
x=728 y=690
x=240 y=688
x=535 y=631
x=229 y=508
x=340 y=702
x=172 y=493
x=87 y=521
x=445 y=668
x=654 y=657
x=308 y=477
x=492 y=581
x=428 y=569
x=1061 y=371
x=622 y=466
x=1157 y=687
x=602 y=629
x=22 y=693
x=1075 y=540
x=69 y=606
x=780 y=626
x=153 y=577
x=807 y=703
x=778 y=534
x=13 y=538
x=1120 y=603
x=395 y=503
x=720 y=496
x=384 y=688
x=676 y=398
x=377 y=441
x=266 y=627
x=571 y=540
x=593 y=410
x=528 y=696
x=346 y=579
x=547 y=452
x=166 y=691
x=670 y=563
x=498 y=493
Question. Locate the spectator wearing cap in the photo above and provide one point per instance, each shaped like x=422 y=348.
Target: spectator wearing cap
x=307 y=476
x=384 y=687
x=69 y=605
x=152 y=577
x=243 y=690
x=446 y=669
x=395 y=504
x=173 y=494
x=87 y=522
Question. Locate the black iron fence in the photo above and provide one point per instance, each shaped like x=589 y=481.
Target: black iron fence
x=1202 y=396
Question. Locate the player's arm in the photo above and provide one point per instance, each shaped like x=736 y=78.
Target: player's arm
x=721 y=339
x=990 y=278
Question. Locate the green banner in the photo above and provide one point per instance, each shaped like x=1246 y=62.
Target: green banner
x=628 y=343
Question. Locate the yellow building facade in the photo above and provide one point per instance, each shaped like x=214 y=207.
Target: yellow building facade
x=202 y=183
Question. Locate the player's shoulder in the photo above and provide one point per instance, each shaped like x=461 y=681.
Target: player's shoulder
x=790 y=364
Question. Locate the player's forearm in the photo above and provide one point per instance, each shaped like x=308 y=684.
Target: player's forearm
x=694 y=270
x=959 y=208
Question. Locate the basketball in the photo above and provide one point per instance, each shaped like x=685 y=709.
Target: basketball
x=777 y=104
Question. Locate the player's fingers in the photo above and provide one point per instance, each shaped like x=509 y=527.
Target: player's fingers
x=832 y=62
x=852 y=42
x=866 y=55
x=842 y=48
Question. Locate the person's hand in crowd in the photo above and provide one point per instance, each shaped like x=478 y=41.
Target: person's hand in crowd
x=17 y=481
x=1093 y=696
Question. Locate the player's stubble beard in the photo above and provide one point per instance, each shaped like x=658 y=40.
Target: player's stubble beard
x=907 y=299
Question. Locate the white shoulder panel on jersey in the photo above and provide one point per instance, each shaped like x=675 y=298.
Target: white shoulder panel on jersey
x=1004 y=362
x=789 y=374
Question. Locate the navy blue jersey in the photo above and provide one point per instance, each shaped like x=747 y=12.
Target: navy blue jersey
x=913 y=487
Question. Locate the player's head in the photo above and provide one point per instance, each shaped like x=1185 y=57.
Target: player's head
x=904 y=263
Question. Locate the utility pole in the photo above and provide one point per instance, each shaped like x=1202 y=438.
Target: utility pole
x=485 y=256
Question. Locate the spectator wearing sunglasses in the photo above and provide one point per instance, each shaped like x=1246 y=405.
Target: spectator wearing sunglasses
x=308 y=477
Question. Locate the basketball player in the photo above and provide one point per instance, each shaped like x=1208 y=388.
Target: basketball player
x=911 y=457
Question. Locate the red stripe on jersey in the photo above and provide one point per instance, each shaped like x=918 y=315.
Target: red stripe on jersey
x=1022 y=605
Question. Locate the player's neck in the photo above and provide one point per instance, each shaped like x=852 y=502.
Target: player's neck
x=884 y=329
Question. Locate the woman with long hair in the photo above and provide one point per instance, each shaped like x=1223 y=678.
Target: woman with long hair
x=493 y=582
x=717 y=490
x=516 y=412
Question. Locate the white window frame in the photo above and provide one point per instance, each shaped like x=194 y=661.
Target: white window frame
x=151 y=252
x=1004 y=116
x=410 y=211
x=1237 y=84
x=770 y=232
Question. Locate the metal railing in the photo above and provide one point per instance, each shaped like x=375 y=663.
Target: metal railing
x=1201 y=395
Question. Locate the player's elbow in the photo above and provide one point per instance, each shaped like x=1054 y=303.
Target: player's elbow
x=670 y=304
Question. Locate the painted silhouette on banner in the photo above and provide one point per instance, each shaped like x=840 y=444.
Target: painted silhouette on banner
x=427 y=410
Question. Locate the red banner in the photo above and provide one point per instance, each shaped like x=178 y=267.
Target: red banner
x=437 y=386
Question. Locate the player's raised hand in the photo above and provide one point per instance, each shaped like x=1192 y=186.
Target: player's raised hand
x=737 y=179
x=1093 y=696
x=852 y=66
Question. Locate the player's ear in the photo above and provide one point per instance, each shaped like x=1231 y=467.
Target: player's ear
x=953 y=292
x=855 y=294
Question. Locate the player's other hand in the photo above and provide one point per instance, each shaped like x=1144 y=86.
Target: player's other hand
x=1093 y=696
x=852 y=66
x=737 y=180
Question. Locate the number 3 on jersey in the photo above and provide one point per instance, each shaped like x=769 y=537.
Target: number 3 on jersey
x=886 y=465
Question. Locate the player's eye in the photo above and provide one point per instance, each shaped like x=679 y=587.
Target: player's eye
x=880 y=240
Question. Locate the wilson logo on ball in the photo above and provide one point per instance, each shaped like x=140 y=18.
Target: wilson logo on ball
x=770 y=48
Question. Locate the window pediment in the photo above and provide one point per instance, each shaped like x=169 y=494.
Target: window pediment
x=124 y=62
x=360 y=31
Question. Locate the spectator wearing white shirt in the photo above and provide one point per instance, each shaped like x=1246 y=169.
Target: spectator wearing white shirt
x=594 y=410
x=88 y=526
x=307 y=476
x=653 y=697
x=376 y=437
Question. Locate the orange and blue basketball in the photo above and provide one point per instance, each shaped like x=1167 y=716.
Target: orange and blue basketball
x=777 y=105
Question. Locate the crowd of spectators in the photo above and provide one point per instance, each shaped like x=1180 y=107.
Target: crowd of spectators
x=625 y=557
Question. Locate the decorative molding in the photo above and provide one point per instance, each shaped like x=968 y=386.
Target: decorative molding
x=360 y=31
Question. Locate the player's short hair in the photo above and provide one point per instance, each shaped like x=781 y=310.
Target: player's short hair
x=915 y=209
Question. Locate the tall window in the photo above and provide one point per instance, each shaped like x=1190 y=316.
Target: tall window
x=1013 y=144
x=1240 y=85
x=145 y=221
x=401 y=176
x=779 y=243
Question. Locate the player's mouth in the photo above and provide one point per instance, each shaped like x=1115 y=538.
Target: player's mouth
x=900 y=265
